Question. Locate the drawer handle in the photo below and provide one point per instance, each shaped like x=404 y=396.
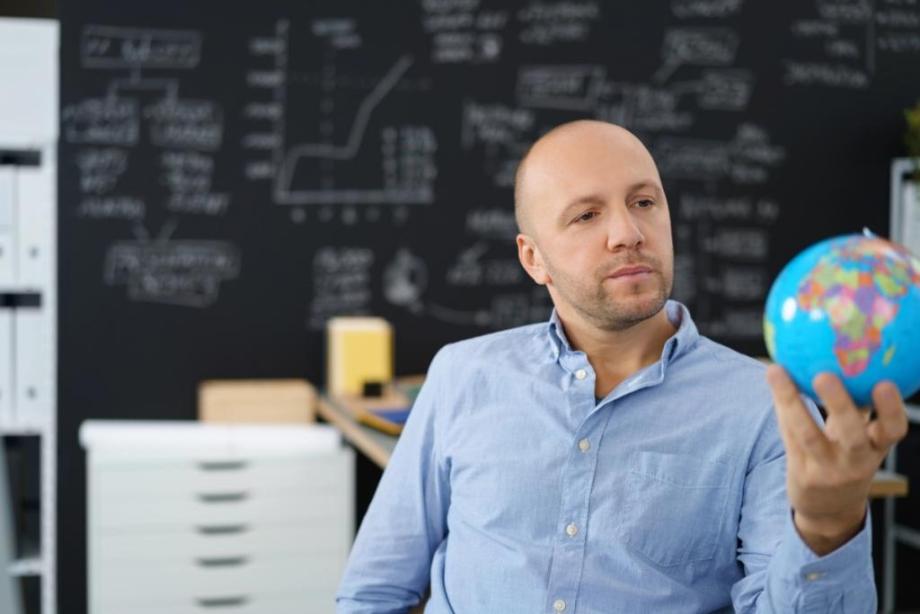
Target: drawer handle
x=223 y=497
x=230 y=465
x=222 y=561
x=222 y=602
x=222 y=529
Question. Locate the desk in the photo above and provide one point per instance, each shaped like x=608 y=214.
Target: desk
x=888 y=484
x=374 y=444
x=378 y=446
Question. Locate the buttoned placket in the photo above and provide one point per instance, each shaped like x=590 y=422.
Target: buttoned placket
x=577 y=483
x=570 y=540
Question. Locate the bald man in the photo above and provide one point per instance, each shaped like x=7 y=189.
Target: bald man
x=612 y=459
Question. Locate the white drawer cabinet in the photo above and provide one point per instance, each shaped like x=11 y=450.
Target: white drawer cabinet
x=238 y=604
x=192 y=581
x=297 y=507
x=228 y=473
x=229 y=540
x=187 y=517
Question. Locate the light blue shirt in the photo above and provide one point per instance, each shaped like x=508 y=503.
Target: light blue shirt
x=512 y=489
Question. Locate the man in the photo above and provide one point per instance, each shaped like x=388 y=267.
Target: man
x=614 y=460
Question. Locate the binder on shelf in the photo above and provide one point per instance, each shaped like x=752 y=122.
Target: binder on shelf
x=35 y=221
x=359 y=350
x=7 y=205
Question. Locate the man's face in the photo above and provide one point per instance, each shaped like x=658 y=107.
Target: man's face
x=598 y=220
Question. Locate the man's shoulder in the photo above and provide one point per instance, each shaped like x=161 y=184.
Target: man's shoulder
x=730 y=386
x=498 y=341
x=511 y=343
x=724 y=356
x=725 y=367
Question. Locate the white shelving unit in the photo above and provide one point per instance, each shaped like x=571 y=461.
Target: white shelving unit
x=28 y=266
x=905 y=229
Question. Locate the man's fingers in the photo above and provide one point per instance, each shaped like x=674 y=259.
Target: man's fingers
x=846 y=423
x=797 y=425
x=890 y=424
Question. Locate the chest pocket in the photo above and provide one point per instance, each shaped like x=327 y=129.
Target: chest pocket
x=676 y=507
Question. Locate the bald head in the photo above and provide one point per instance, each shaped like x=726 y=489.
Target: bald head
x=547 y=157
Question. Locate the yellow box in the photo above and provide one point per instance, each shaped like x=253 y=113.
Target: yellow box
x=358 y=350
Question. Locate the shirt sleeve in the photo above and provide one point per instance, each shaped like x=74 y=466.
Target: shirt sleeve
x=782 y=574
x=389 y=565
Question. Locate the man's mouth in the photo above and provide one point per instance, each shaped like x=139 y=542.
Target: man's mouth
x=630 y=272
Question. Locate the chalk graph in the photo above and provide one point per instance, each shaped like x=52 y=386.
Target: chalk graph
x=343 y=136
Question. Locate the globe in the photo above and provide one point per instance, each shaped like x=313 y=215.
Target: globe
x=849 y=305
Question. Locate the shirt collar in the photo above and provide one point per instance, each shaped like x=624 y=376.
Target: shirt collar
x=682 y=340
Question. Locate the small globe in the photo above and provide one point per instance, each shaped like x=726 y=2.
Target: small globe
x=849 y=305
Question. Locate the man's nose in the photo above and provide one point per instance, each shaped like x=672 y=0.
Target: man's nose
x=623 y=230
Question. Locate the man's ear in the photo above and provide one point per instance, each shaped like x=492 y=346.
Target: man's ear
x=532 y=260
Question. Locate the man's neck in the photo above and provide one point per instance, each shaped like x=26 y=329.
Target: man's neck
x=615 y=355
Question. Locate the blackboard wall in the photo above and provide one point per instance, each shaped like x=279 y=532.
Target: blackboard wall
x=229 y=178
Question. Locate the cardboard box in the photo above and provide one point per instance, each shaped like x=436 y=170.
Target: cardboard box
x=257 y=401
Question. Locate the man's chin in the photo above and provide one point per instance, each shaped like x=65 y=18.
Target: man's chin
x=625 y=313
x=640 y=297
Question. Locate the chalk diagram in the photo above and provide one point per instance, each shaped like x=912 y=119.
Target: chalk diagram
x=115 y=119
x=141 y=108
x=406 y=280
x=338 y=130
x=185 y=273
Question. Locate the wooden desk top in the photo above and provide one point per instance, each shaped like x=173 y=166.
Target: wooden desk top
x=374 y=444
x=888 y=484
x=379 y=446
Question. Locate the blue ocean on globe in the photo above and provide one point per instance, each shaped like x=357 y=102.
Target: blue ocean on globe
x=849 y=305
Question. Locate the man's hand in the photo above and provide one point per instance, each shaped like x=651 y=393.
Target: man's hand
x=829 y=472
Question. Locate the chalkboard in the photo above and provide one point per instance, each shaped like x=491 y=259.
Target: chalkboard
x=231 y=178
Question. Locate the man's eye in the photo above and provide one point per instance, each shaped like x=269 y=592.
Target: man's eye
x=645 y=203
x=586 y=216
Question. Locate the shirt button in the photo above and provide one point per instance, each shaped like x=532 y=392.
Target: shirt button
x=814 y=575
x=584 y=445
x=580 y=374
x=559 y=605
x=571 y=530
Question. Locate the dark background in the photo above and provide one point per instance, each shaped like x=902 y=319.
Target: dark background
x=209 y=253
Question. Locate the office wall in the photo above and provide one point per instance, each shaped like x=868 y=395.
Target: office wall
x=232 y=176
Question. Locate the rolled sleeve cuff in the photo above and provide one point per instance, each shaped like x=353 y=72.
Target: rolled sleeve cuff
x=843 y=577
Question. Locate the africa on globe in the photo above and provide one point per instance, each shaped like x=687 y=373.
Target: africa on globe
x=849 y=305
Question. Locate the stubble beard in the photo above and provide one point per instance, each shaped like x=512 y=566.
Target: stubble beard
x=610 y=313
